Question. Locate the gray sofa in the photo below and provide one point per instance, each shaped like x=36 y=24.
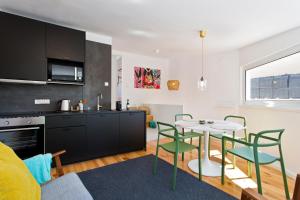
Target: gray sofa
x=65 y=187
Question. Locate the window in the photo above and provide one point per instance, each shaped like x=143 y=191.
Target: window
x=276 y=80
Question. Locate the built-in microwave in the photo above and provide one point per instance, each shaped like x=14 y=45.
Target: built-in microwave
x=65 y=72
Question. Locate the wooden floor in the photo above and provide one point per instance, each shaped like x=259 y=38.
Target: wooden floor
x=236 y=178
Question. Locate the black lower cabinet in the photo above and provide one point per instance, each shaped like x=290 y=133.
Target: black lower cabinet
x=103 y=134
x=132 y=131
x=94 y=135
x=71 y=139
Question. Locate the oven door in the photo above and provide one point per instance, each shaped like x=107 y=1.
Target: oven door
x=25 y=141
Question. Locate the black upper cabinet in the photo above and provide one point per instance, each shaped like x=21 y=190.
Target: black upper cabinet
x=103 y=134
x=22 y=48
x=132 y=131
x=65 y=43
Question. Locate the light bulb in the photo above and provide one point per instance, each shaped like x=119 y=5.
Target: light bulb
x=202 y=84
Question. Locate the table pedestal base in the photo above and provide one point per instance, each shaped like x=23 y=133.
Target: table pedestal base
x=209 y=168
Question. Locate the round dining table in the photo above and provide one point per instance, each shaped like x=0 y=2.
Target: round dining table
x=209 y=167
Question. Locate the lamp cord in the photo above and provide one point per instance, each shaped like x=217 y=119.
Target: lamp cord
x=202 y=55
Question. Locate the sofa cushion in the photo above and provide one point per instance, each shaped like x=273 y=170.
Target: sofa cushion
x=65 y=187
x=16 y=181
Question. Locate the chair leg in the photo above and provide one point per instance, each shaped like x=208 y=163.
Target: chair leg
x=182 y=155
x=233 y=146
x=286 y=187
x=258 y=178
x=249 y=169
x=234 y=162
x=191 y=142
x=155 y=161
x=174 y=171
x=223 y=163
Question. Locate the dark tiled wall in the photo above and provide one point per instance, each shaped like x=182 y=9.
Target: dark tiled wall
x=20 y=97
x=98 y=71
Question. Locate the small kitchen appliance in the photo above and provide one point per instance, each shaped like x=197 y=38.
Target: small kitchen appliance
x=118 y=105
x=65 y=105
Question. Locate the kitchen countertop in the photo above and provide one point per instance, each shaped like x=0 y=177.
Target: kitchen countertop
x=55 y=113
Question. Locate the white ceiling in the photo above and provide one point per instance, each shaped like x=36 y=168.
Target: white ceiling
x=168 y=25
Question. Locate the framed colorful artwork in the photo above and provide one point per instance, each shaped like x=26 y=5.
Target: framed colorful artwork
x=146 y=78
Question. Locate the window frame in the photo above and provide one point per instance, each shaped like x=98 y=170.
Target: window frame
x=270 y=103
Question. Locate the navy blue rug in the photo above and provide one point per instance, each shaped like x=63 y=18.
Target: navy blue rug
x=133 y=179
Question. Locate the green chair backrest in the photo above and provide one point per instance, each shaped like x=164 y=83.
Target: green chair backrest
x=243 y=119
x=164 y=129
x=240 y=118
x=270 y=135
x=177 y=116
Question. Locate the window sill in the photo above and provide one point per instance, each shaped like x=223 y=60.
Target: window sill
x=286 y=106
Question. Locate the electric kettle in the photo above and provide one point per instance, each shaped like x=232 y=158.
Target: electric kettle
x=65 y=105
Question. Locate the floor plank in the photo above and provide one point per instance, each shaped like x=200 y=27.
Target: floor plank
x=235 y=179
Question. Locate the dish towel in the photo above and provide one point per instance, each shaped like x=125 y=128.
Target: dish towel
x=40 y=167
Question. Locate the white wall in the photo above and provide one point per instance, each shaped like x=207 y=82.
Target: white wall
x=223 y=95
x=165 y=113
x=222 y=74
x=143 y=96
x=269 y=47
x=267 y=118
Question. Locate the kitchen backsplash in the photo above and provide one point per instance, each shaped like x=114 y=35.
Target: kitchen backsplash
x=20 y=97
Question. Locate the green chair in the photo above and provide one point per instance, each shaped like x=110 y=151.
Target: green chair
x=249 y=151
x=175 y=147
x=219 y=136
x=192 y=134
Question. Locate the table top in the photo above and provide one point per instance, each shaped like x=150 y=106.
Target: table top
x=217 y=125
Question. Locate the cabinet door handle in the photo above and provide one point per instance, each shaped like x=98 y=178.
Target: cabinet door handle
x=19 y=129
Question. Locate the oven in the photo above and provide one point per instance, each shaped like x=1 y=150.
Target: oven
x=25 y=135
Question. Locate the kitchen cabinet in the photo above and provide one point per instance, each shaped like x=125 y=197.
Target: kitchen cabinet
x=65 y=44
x=86 y=136
x=71 y=139
x=103 y=134
x=22 y=51
x=132 y=131
x=65 y=120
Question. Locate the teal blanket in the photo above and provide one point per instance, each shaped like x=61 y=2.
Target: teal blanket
x=40 y=167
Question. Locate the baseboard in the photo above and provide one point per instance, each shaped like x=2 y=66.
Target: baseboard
x=289 y=173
